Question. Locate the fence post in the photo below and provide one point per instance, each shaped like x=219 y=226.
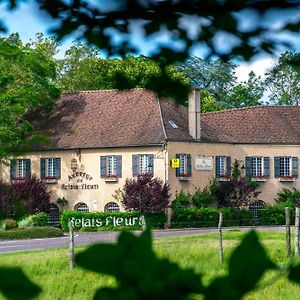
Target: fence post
x=288 y=231
x=71 y=239
x=143 y=222
x=297 y=231
x=220 y=237
x=169 y=217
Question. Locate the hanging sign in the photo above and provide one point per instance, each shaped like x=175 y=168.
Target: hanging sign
x=203 y=163
x=175 y=163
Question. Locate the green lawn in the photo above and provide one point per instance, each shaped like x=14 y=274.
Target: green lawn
x=50 y=268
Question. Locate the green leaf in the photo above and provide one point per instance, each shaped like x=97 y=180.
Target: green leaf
x=15 y=285
x=294 y=274
x=139 y=273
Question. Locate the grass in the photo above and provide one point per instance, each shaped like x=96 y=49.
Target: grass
x=50 y=269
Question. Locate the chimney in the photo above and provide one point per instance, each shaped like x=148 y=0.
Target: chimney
x=194 y=114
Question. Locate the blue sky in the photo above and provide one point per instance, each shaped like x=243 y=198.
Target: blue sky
x=27 y=20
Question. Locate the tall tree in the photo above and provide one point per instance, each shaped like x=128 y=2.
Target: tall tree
x=26 y=84
x=283 y=81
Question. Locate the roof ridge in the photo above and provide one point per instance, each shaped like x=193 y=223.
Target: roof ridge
x=246 y=108
x=104 y=90
x=161 y=118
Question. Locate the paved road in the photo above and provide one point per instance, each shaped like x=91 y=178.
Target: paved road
x=108 y=237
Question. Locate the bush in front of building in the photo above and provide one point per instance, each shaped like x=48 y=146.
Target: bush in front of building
x=30 y=233
x=275 y=215
x=288 y=197
x=109 y=221
x=146 y=194
x=209 y=217
x=8 y=224
x=36 y=220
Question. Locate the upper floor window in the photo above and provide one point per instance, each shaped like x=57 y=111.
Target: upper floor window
x=286 y=166
x=257 y=166
x=50 y=168
x=111 y=166
x=142 y=164
x=185 y=165
x=223 y=166
x=20 y=168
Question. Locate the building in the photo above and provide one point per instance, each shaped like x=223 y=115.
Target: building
x=97 y=139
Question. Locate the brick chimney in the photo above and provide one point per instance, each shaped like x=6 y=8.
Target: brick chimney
x=194 y=114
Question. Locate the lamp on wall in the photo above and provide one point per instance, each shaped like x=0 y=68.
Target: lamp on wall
x=74 y=165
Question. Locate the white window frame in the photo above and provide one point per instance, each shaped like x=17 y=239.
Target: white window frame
x=111 y=165
x=257 y=168
x=183 y=167
x=21 y=168
x=111 y=207
x=50 y=167
x=144 y=167
x=222 y=166
x=285 y=164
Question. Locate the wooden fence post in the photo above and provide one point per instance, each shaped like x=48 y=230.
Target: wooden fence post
x=220 y=237
x=297 y=231
x=71 y=239
x=288 y=231
x=143 y=222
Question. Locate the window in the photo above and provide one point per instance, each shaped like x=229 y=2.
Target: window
x=185 y=165
x=111 y=207
x=20 y=168
x=50 y=168
x=142 y=164
x=111 y=166
x=286 y=167
x=255 y=207
x=223 y=166
x=53 y=216
x=82 y=207
x=258 y=167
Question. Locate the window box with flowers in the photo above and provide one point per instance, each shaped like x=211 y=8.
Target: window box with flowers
x=287 y=178
x=223 y=178
x=50 y=179
x=111 y=178
x=185 y=177
x=259 y=178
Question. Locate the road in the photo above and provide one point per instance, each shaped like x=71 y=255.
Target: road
x=108 y=237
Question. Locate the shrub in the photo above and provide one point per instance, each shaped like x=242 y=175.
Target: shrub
x=30 y=233
x=33 y=194
x=288 y=197
x=182 y=200
x=25 y=223
x=153 y=220
x=8 y=224
x=146 y=194
x=203 y=198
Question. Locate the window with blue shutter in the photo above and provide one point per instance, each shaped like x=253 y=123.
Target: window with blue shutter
x=119 y=166
x=177 y=169
x=277 y=166
x=266 y=166
x=135 y=165
x=50 y=168
x=295 y=167
x=248 y=161
x=13 y=164
x=185 y=165
x=102 y=166
x=28 y=167
x=43 y=168
x=228 y=166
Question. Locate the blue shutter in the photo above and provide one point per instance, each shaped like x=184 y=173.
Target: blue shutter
x=189 y=164
x=151 y=164
x=177 y=169
x=57 y=168
x=248 y=166
x=295 y=167
x=135 y=165
x=119 y=166
x=43 y=168
x=228 y=166
x=102 y=166
x=12 y=169
x=266 y=166
x=277 y=166
x=28 y=167
x=217 y=166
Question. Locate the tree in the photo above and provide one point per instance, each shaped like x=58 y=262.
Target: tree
x=146 y=194
x=26 y=84
x=100 y=23
x=283 y=81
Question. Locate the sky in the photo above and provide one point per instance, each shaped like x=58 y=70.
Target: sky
x=27 y=21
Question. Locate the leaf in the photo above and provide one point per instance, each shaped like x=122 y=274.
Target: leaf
x=294 y=274
x=139 y=273
x=15 y=285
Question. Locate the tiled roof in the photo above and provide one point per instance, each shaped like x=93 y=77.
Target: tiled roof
x=254 y=125
x=112 y=118
x=107 y=118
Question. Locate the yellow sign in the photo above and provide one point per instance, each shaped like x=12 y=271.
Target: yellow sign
x=175 y=163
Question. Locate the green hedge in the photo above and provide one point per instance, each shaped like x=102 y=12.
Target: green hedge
x=209 y=217
x=111 y=221
x=275 y=215
x=30 y=233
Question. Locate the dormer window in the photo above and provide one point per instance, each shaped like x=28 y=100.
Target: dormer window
x=173 y=124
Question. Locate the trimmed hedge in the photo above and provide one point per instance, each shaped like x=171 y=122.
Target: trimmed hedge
x=30 y=233
x=111 y=221
x=275 y=215
x=209 y=217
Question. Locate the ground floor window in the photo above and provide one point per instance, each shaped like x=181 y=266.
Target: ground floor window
x=256 y=206
x=111 y=207
x=82 y=207
x=53 y=216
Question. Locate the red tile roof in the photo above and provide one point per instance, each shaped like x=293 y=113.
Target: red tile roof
x=254 y=125
x=111 y=118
